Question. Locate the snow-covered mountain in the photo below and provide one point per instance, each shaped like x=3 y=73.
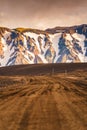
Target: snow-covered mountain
x=56 y=45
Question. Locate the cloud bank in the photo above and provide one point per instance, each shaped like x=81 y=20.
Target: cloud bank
x=42 y=14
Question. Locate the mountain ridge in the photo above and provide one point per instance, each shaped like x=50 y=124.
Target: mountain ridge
x=32 y=46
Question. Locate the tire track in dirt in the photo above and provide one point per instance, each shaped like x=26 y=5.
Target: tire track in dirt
x=52 y=105
x=17 y=107
x=9 y=99
x=48 y=117
x=72 y=116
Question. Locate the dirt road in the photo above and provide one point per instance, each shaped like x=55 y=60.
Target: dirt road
x=44 y=103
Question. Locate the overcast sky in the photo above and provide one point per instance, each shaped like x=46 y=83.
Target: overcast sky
x=42 y=13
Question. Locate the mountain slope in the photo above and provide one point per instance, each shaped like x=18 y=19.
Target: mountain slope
x=31 y=46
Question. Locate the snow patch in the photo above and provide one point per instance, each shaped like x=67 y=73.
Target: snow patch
x=68 y=37
x=79 y=37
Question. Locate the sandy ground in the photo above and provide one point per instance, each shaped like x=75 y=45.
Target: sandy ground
x=49 y=102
